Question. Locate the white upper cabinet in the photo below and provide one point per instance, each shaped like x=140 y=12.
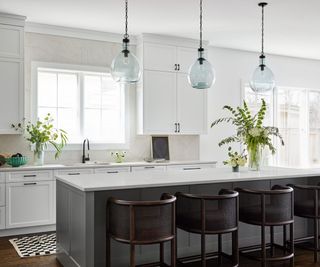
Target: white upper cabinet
x=11 y=71
x=166 y=102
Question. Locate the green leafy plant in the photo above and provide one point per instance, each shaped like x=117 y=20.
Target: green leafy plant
x=42 y=133
x=250 y=130
x=118 y=156
x=235 y=159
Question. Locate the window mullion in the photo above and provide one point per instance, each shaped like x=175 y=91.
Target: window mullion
x=81 y=109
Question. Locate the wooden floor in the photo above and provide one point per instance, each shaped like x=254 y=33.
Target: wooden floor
x=9 y=258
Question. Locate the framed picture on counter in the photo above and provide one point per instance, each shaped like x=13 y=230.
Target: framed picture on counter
x=160 y=147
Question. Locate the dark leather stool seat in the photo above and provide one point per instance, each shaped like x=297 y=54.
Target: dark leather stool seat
x=209 y=215
x=306 y=205
x=142 y=223
x=268 y=208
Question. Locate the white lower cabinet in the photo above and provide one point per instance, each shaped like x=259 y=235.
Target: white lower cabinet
x=2 y=195
x=191 y=167
x=2 y=217
x=148 y=168
x=29 y=204
x=112 y=170
x=74 y=172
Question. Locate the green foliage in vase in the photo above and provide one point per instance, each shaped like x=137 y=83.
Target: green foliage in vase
x=42 y=133
x=250 y=130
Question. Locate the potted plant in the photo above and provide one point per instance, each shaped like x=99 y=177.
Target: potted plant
x=118 y=156
x=41 y=134
x=250 y=132
x=235 y=160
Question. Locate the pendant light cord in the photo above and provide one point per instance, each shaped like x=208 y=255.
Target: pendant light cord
x=126 y=35
x=262 y=30
x=200 y=24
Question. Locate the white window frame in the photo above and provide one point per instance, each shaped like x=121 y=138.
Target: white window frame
x=304 y=155
x=35 y=65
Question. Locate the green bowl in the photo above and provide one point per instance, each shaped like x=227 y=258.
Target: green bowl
x=17 y=161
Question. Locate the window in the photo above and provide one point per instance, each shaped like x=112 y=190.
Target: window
x=86 y=104
x=296 y=112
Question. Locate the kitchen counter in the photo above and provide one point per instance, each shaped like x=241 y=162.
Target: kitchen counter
x=99 y=164
x=98 y=182
x=82 y=216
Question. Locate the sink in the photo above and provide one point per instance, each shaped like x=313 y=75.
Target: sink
x=89 y=163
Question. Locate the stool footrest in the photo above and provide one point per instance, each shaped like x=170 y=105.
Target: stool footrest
x=153 y=264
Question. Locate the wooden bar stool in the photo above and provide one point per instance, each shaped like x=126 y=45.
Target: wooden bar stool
x=268 y=208
x=142 y=223
x=306 y=205
x=209 y=215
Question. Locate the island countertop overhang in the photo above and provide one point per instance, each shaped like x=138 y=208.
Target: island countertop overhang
x=120 y=181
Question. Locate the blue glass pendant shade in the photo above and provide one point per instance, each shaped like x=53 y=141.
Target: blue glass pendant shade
x=262 y=78
x=125 y=67
x=201 y=74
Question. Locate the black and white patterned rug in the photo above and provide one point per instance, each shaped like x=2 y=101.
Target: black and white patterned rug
x=40 y=245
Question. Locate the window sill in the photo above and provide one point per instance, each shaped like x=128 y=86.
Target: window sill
x=93 y=146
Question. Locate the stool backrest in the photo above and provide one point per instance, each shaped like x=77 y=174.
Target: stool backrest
x=141 y=222
x=208 y=214
x=272 y=206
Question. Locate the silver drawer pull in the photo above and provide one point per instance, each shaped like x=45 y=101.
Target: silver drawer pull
x=74 y=173
x=149 y=167
x=29 y=175
x=29 y=183
x=112 y=172
x=192 y=168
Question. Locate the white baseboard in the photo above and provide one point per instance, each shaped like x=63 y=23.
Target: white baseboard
x=27 y=230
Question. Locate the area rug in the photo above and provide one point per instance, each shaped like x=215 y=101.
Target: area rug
x=39 y=245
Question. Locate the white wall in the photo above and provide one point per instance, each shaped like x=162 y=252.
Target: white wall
x=234 y=67
x=50 y=48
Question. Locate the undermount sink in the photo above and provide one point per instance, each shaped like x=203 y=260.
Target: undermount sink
x=89 y=163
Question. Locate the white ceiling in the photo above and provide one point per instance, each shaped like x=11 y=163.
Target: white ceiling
x=292 y=26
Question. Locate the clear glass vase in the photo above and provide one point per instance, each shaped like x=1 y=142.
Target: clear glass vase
x=255 y=157
x=38 y=155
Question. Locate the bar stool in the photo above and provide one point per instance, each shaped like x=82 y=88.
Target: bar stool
x=268 y=208
x=306 y=205
x=142 y=223
x=209 y=215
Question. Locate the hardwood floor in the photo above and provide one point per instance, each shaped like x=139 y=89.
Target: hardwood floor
x=9 y=258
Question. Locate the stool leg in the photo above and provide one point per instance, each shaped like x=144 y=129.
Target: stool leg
x=284 y=239
x=235 y=248
x=291 y=245
x=263 y=247
x=219 y=249
x=108 y=252
x=203 y=250
x=173 y=253
x=132 y=256
x=272 y=240
x=316 y=239
x=161 y=254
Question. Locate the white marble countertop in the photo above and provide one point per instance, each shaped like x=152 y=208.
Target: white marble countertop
x=99 y=164
x=100 y=182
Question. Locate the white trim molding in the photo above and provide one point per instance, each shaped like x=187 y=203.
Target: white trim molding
x=33 y=27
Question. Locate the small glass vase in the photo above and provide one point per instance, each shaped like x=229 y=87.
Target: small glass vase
x=38 y=155
x=255 y=158
x=235 y=169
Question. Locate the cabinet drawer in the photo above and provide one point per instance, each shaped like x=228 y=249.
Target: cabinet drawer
x=191 y=167
x=2 y=194
x=29 y=176
x=112 y=170
x=148 y=168
x=74 y=172
x=2 y=177
x=2 y=217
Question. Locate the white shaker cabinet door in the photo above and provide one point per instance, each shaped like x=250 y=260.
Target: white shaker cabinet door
x=11 y=44
x=159 y=57
x=2 y=217
x=159 y=104
x=11 y=94
x=192 y=107
x=29 y=204
x=186 y=57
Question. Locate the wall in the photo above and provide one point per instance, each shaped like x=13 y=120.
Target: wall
x=234 y=68
x=50 y=48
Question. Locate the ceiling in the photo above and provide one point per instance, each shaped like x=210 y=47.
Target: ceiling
x=292 y=26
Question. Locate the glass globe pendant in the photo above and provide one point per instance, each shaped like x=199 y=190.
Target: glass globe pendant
x=262 y=78
x=201 y=74
x=125 y=67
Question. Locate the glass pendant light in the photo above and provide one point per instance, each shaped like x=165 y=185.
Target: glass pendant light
x=262 y=78
x=201 y=74
x=125 y=66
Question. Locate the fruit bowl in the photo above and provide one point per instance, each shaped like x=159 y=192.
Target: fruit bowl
x=16 y=161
